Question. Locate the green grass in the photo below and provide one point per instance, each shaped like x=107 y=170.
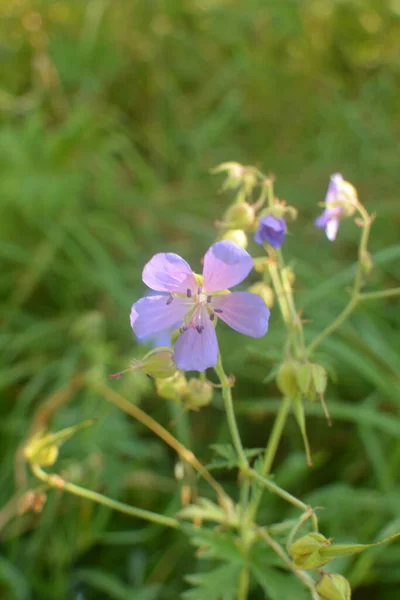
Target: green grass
x=111 y=115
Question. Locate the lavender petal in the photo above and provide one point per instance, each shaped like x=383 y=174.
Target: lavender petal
x=243 y=311
x=151 y=315
x=331 y=229
x=168 y=272
x=333 y=188
x=225 y=265
x=196 y=349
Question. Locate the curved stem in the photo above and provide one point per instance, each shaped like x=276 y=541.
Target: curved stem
x=58 y=482
x=346 y=312
x=380 y=294
x=304 y=577
x=355 y=294
x=137 y=413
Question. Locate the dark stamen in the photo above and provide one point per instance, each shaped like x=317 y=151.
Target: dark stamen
x=199 y=290
x=218 y=310
x=212 y=317
x=169 y=300
x=182 y=329
x=208 y=299
x=200 y=328
x=189 y=293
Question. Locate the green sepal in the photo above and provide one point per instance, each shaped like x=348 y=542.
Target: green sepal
x=299 y=413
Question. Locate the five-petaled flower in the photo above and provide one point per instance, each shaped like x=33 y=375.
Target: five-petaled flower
x=195 y=301
x=271 y=230
x=340 y=201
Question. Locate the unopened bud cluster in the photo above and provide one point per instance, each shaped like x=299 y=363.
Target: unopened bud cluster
x=307 y=551
x=307 y=379
x=193 y=394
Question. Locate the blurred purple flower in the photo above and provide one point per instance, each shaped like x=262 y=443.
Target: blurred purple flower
x=196 y=305
x=340 y=201
x=271 y=230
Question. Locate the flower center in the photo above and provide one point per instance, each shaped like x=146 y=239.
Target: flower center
x=203 y=297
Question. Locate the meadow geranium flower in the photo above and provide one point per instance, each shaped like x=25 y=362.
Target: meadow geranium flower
x=196 y=301
x=271 y=230
x=340 y=201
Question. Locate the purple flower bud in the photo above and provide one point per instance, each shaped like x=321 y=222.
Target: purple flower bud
x=271 y=230
x=340 y=202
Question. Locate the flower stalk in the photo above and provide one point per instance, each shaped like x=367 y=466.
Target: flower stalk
x=57 y=482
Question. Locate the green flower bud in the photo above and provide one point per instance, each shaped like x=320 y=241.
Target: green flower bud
x=333 y=587
x=286 y=379
x=199 y=393
x=236 y=235
x=234 y=173
x=312 y=379
x=261 y=264
x=305 y=380
x=158 y=363
x=39 y=454
x=173 y=388
x=320 y=379
x=42 y=449
x=239 y=216
x=249 y=180
x=290 y=213
x=347 y=198
x=264 y=291
x=306 y=551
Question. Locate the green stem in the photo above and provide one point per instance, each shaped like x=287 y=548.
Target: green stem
x=244 y=580
x=379 y=295
x=58 y=482
x=362 y=250
x=243 y=588
x=346 y=312
x=270 y=451
x=230 y=414
x=299 y=523
x=269 y=184
x=277 y=548
x=278 y=491
x=275 y=436
x=355 y=294
x=279 y=291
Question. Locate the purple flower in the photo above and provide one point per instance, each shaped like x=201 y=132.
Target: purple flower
x=329 y=220
x=271 y=230
x=340 y=201
x=196 y=301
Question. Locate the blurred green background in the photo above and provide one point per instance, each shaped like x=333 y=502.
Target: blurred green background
x=112 y=114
